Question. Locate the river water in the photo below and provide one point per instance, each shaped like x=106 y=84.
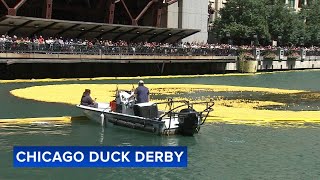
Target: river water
x=219 y=151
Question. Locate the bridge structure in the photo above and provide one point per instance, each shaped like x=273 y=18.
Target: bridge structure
x=129 y=20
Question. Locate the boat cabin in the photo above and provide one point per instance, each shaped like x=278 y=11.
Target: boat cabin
x=125 y=103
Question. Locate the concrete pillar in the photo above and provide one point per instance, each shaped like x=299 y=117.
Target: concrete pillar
x=256 y=53
x=303 y=54
x=247 y=66
x=216 y=9
x=280 y=53
x=296 y=4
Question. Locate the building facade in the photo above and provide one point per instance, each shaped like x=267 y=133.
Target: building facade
x=215 y=6
x=187 y=14
x=296 y=4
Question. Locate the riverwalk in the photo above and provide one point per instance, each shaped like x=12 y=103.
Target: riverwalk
x=58 y=65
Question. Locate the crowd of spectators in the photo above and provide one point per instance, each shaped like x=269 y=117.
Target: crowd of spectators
x=39 y=44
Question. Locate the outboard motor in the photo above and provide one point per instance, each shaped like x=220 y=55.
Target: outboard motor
x=188 y=122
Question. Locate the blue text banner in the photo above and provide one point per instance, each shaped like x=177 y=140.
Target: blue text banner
x=100 y=156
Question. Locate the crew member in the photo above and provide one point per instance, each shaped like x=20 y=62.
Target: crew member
x=86 y=99
x=142 y=93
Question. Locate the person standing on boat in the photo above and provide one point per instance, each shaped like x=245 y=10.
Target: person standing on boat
x=141 y=93
x=86 y=99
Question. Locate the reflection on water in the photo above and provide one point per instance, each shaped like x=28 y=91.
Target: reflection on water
x=102 y=135
x=58 y=129
x=170 y=141
x=231 y=140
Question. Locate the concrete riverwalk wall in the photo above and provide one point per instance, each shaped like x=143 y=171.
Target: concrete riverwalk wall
x=310 y=63
x=32 y=65
x=14 y=65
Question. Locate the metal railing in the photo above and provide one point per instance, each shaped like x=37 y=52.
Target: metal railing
x=56 y=48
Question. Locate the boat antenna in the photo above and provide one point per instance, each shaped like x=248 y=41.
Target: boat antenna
x=117 y=90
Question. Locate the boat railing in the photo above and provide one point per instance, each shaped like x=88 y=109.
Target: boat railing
x=171 y=112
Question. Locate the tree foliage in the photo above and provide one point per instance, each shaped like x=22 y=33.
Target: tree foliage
x=243 y=19
x=265 y=20
x=311 y=14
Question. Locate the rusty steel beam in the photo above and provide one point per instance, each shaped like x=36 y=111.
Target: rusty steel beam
x=48 y=9
x=126 y=8
x=134 y=21
x=164 y=11
x=17 y=6
x=5 y=4
x=111 y=12
x=158 y=13
x=144 y=10
x=13 y=11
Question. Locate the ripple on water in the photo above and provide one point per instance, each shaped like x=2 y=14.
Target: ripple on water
x=5 y=146
x=233 y=140
x=35 y=128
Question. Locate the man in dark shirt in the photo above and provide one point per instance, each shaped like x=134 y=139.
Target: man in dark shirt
x=142 y=93
x=86 y=99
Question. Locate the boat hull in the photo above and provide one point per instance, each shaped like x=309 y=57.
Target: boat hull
x=105 y=116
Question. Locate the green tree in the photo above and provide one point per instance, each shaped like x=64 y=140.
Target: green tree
x=284 y=22
x=311 y=15
x=265 y=19
x=277 y=15
x=243 y=19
